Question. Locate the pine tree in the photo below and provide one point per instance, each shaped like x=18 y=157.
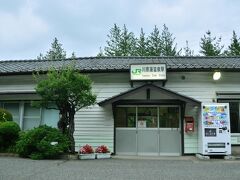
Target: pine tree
x=142 y=45
x=234 y=47
x=127 y=43
x=168 y=47
x=113 y=42
x=56 y=52
x=101 y=53
x=210 y=46
x=188 y=51
x=154 y=47
x=120 y=42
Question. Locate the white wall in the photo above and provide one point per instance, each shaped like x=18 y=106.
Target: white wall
x=199 y=85
x=94 y=125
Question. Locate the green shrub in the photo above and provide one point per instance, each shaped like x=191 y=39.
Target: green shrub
x=38 y=143
x=9 y=133
x=5 y=115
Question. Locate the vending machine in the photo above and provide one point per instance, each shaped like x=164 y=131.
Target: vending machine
x=214 y=129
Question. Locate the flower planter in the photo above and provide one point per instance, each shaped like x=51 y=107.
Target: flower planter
x=103 y=155
x=87 y=156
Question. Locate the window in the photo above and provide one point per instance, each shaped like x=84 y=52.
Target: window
x=234 y=106
x=126 y=117
x=32 y=117
x=13 y=108
x=29 y=117
x=147 y=117
x=234 y=117
x=169 y=117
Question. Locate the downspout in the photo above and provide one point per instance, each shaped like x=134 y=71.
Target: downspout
x=183 y=107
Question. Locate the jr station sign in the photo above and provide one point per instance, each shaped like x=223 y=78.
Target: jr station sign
x=140 y=72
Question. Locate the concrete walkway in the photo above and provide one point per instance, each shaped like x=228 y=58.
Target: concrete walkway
x=122 y=168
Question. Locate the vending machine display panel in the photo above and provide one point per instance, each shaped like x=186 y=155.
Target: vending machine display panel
x=214 y=129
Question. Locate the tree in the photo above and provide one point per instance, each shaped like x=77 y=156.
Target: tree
x=155 y=43
x=167 y=41
x=127 y=42
x=210 y=46
x=113 y=42
x=234 y=47
x=188 y=51
x=70 y=91
x=55 y=53
x=101 y=53
x=142 y=45
x=119 y=43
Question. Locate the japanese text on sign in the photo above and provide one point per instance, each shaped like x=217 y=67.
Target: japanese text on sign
x=148 y=72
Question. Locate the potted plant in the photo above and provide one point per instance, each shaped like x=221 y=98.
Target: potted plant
x=102 y=152
x=86 y=152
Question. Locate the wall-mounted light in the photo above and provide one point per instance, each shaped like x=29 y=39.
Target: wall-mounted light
x=216 y=76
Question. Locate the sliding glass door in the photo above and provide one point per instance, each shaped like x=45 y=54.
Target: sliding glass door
x=148 y=130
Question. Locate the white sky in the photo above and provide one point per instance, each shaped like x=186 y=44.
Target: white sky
x=27 y=27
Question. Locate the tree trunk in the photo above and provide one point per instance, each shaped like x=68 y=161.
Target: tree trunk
x=71 y=129
x=62 y=123
x=66 y=124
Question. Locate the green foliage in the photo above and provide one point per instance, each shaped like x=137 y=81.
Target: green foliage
x=5 y=115
x=168 y=48
x=113 y=42
x=142 y=45
x=234 y=47
x=127 y=42
x=55 y=53
x=210 y=46
x=120 y=42
x=37 y=143
x=123 y=43
x=66 y=86
x=70 y=91
x=187 y=50
x=101 y=53
x=155 y=43
x=9 y=133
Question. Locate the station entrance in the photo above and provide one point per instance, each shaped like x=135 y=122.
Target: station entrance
x=148 y=130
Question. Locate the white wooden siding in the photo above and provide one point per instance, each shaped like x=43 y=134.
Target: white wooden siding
x=94 y=125
x=201 y=86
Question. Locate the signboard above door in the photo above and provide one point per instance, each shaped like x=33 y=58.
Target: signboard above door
x=148 y=72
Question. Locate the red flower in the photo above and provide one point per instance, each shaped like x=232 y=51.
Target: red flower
x=102 y=149
x=87 y=149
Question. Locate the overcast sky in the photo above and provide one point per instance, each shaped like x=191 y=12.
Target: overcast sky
x=27 y=27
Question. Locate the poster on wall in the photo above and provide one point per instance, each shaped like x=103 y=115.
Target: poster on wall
x=142 y=124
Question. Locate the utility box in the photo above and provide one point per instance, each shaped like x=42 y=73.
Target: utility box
x=214 y=129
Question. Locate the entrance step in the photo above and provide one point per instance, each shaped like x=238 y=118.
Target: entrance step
x=205 y=157
x=187 y=158
x=202 y=157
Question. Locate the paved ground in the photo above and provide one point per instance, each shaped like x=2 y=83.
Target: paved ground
x=13 y=168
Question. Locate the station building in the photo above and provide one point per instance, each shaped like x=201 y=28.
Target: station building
x=143 y=103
